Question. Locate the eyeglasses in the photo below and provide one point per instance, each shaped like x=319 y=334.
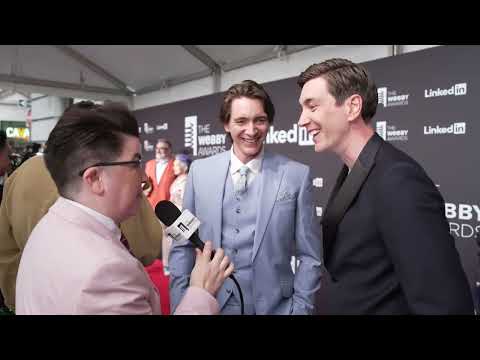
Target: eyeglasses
x=137 y=164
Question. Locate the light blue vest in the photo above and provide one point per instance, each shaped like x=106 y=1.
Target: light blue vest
x=239 y=217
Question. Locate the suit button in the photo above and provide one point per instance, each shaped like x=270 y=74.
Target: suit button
x=238 y=210
x=237 y=231
x=229 y=291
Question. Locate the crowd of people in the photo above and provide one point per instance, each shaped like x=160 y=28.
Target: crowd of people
x=78 y=232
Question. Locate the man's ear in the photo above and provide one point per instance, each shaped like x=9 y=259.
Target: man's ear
x=92 y=178
x=354 y=107
x=226 y=127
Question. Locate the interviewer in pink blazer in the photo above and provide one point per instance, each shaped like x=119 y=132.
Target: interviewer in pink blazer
x=76 y=260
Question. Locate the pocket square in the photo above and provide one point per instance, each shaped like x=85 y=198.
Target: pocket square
x=285 y=195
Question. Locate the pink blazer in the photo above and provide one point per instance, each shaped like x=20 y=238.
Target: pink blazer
x=73 y=264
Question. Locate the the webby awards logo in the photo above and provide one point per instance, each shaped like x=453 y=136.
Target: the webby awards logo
x=200 y=139
x=390 y=132
x=391 y=97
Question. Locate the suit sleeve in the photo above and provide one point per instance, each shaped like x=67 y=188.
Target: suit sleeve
x=182 y=254
x=308 y=250
x=116 y=288
x=412 y=223
x=197 y=301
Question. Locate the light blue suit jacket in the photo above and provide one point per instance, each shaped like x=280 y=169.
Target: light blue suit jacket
x=286 y=225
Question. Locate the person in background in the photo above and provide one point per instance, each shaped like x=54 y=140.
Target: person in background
x=181 y=166
x=160 y=173
x=159 y=271
x=160 y=176
x=31 y=150
x=5 y=165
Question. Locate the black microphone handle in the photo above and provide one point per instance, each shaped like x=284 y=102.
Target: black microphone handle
x=195 y=239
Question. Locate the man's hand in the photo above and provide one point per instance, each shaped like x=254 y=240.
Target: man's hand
x=210 y=275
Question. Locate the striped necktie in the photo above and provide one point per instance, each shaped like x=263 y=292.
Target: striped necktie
x=241 y=184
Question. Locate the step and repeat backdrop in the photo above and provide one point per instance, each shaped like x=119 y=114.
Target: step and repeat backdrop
x=427 y=108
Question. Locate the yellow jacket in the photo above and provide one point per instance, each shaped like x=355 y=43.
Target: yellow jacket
x=28 y=194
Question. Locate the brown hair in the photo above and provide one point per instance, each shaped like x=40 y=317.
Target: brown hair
x=345 y=78
x=249 y=89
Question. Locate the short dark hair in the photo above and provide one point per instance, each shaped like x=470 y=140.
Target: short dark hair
x=3 y=139
x=345 y=78
x=249 y=89
x=83 y=136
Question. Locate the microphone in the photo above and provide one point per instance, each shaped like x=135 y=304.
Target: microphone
x=168 y=213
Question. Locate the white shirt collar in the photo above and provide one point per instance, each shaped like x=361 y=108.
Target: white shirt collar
x=105 y=220
x=2 y=179
x=255 y=165
x=161 y=161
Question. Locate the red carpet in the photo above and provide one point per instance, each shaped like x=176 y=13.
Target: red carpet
x=155 y=271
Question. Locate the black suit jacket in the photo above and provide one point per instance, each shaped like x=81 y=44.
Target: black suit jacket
x=387 y=244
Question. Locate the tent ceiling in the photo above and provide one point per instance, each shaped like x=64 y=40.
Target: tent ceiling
x=231 y=57
x=140 y=66
x=124 y=69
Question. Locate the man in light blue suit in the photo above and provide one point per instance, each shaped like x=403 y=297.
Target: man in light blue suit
x=258 y=207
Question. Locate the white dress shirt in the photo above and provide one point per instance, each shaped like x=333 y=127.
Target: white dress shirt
x=160 y=169
x=254 y=165
x=105 y=220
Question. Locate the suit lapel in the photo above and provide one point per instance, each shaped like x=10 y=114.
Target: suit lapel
x=338 y=184
x=346 y=189
x=271 y=178
x=218 y=174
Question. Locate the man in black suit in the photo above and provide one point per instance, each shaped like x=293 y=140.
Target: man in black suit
x=387 y=244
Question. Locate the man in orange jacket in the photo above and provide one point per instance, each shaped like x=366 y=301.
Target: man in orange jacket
x=160 y=173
